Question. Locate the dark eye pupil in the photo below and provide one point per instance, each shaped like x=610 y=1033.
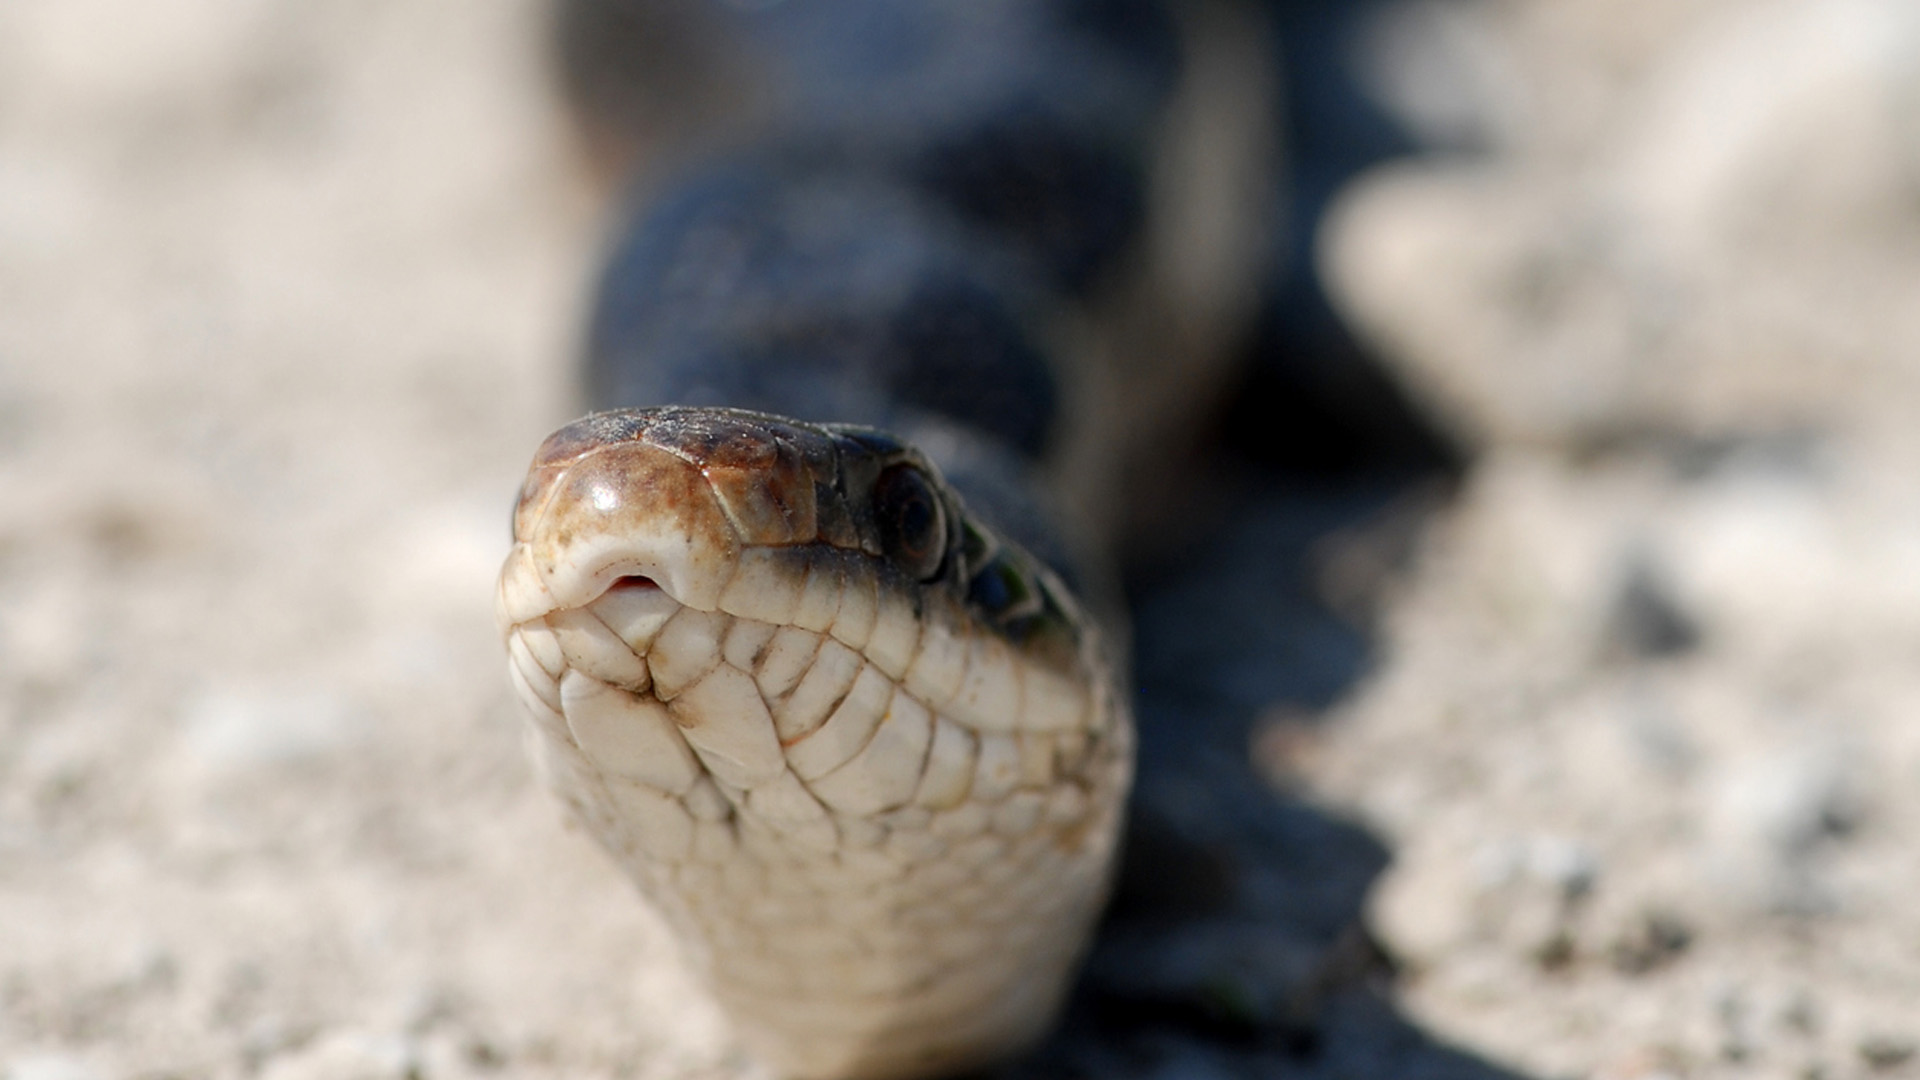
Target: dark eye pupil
x=912 y=520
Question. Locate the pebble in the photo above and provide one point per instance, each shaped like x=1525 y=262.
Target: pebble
x=1648 y=621
x=237 y=731
x=1883 y=1052
x=1772 y=814
x=49 y=1066
x=1652 y=940
x=350 y=1055
x=158 y=54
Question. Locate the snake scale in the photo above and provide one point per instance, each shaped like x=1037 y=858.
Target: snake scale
x=827 y=694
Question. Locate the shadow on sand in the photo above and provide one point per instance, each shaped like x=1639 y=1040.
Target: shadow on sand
x=1235 y=946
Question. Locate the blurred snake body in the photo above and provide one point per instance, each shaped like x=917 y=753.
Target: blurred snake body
x=867 y=757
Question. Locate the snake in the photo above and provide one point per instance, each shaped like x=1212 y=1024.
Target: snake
x=866 y=755
x=798 y=639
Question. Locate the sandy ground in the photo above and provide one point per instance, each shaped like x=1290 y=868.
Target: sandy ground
x=1647 y=744
x=286 y=298
x=288 y=294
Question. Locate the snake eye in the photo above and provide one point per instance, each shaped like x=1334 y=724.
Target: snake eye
x=913 y=526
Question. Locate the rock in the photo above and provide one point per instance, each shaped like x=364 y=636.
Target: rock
x=349 y=1055
x=1771 y=813
x=48 y=1066
x=1883 y=1052
x=228 y=732
x=1652 y=941
x=1648 y=622
x=1706 y=258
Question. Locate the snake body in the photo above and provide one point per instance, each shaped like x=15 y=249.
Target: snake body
x=831 y=700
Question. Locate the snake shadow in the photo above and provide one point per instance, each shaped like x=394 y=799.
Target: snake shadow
x=1235 y=946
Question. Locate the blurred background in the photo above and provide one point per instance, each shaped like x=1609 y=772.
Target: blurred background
x=1536 y=697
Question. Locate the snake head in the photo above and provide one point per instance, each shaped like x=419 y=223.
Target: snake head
x=769 y=664
x=674 y=496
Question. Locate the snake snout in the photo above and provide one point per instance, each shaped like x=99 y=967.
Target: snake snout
x=626 y=516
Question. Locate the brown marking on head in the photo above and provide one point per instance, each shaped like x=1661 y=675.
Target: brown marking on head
x=765 y=470
x=629 y=508
x=565 y=446
x=769 y=495
x=591 y=433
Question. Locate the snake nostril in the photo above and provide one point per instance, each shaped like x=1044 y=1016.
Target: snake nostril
x=633 y=581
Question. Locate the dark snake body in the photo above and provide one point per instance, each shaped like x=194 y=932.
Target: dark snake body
x=890 y=231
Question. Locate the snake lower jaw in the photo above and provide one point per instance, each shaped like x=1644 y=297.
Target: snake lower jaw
x=848 y=928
